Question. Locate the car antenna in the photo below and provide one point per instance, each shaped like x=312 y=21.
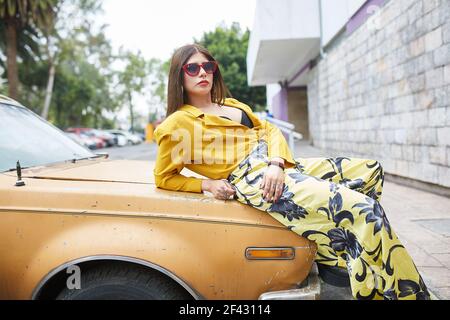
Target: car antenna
x=19 y=182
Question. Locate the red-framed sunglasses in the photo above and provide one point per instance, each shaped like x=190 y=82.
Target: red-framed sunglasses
x=193 y=69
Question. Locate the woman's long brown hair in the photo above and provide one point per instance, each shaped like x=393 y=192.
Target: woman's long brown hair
x=176 y=97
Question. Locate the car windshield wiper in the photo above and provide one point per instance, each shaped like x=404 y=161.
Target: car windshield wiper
x=100 y=155
x=15 y=169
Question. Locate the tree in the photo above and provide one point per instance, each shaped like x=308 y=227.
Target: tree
x=159 y=73
x=83 y=92
x=27 y=44
x=132 y=80
x=17 y=15
x=229 y=46
x=79 y=93
x=75 y=10
x=66 y=68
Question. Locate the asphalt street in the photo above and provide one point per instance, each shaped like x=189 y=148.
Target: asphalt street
x=143 y=151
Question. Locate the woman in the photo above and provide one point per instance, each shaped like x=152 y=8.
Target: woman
x=334 y=202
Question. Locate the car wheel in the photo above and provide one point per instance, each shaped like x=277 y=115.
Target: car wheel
x=334 y=276
x=125 y=283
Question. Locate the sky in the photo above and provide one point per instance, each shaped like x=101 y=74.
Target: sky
x=158 y=27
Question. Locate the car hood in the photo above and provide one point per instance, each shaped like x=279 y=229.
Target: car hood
x=119 y=187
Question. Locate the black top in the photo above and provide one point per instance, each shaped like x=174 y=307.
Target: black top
x=245 y=119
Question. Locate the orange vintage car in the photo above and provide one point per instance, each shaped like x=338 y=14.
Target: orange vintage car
x=75 y=225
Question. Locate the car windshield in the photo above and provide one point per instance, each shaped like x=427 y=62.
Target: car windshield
x=31 y=140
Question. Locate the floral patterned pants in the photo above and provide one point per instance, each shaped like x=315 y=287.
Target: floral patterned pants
x=335 y=203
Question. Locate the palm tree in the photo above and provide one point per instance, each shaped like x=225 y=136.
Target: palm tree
x=15 y=16
x=27 y=44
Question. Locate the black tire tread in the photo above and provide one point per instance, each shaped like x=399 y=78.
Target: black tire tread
x=156 y=283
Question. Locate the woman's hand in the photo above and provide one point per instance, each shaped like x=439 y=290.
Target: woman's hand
x=273 y=183
x=221 y=189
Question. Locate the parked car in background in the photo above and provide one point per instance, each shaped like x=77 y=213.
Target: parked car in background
x=83 y=134
x=141 y=136
x=130 y=138
x=122 y=141
x=83 y=140
x=100 y=143
x=108 y=139
x=68 y=213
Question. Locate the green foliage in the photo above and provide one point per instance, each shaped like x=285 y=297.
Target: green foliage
x=229 y=46
x=36 y=12
x=83 y=85
x=17 y=17
x=132 y=80
x=82 y=92
x=81 y=95
x=27 y=42
x=160 y=71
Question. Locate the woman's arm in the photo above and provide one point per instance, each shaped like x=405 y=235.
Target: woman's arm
x=279 y=151
x=221 y=189
x=167 y=170
x=278 y=159
x=167 y=174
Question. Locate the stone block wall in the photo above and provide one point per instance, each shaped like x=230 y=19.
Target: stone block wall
x=383 y=91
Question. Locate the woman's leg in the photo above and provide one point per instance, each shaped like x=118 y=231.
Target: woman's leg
x=342 y=222
x=362 y=175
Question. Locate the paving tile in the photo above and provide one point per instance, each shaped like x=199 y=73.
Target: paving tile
x=442 y=293
x=420 y=257
x=426 y=241
x=438 y=226
x=444 y=259
x=435 y=277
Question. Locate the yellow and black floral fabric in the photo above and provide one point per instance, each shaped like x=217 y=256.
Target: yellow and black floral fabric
x=335 y=203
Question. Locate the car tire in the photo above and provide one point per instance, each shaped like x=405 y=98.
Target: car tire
x=125 y=283
x=334 y=276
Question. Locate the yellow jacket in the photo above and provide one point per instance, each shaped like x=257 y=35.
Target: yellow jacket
x=210 y=145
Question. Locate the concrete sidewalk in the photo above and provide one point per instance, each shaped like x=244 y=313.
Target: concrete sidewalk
x=421 y=221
